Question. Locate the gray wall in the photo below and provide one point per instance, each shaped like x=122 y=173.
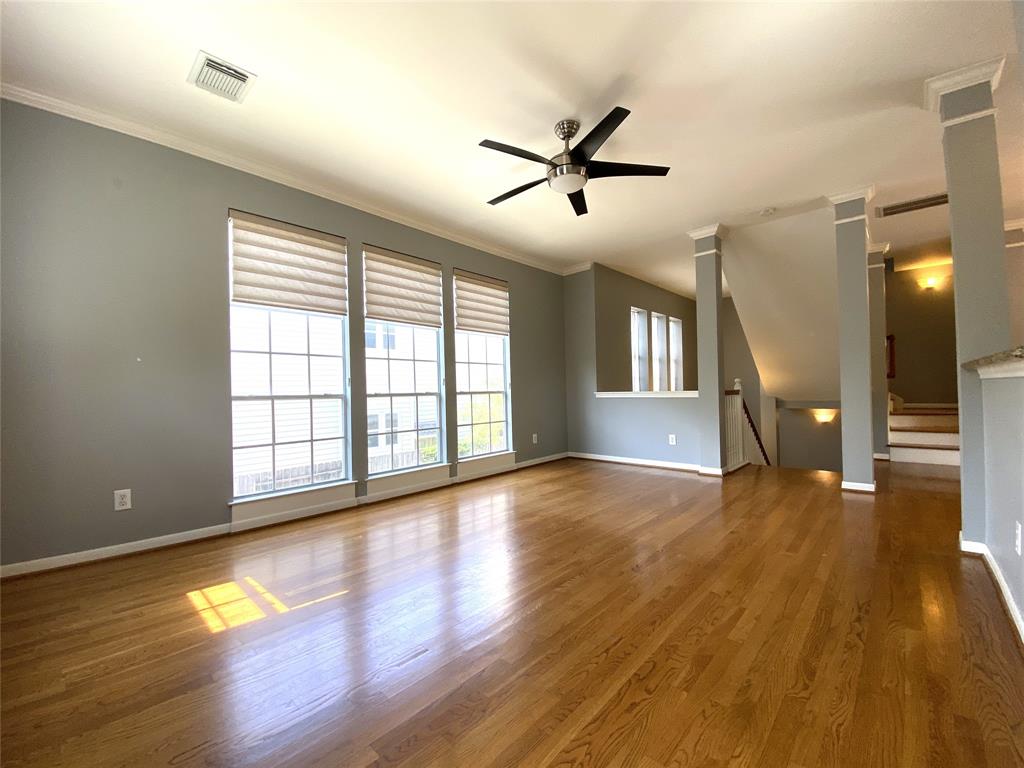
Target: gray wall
x=625 y=427
x=1004 y=480
x=615 y=294
x=115 y=331
x=739 y=361
x=807 y=444
x=924 y=324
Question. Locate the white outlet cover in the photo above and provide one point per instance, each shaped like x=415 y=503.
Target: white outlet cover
x=1017 y=541
x=123 y=499
x=534 y=438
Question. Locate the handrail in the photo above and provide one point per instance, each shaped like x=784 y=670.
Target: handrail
x=750 y=421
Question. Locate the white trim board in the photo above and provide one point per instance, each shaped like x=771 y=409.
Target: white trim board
x=850 y=485
x=880 y=456
x=255 y=167
x=114 y=550
x=980 y=548
x=656 y=463
x=158 y=542
x=648 y=394
x=967 y=118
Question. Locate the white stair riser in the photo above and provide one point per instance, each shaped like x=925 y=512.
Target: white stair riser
x=925 y=438
x=924 y=456
x=908 y=420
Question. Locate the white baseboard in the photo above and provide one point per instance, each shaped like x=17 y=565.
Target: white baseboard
x=102 y=553
x=541 y=460
x=115 y=550
x=881 y=456
x=849 y=485
x=980 y=548
x=637 y=462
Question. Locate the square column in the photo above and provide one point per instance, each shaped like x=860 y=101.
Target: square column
x=710 y=357
x=879 y=382
x=964 y=102
x=854 y=340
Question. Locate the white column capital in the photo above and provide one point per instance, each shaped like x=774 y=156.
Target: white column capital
x=882 y=248
x=1013 y=224
x=710 y=230
x=983 y=72
x=863 y=193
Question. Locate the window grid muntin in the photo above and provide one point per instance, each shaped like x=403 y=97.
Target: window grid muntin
x=341 y=395
x=469 y=392
x=385 y=327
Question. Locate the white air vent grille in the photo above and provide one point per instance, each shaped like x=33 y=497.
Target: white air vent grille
x=217 y=76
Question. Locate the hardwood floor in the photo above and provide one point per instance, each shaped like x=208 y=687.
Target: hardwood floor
x=575 y=613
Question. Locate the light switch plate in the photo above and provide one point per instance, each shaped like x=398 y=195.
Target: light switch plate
x=671 y=439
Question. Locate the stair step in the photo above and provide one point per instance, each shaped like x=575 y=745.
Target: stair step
x=941 y=429
x=915 y=454
x=924 y=438
x=923 y=420
x=930 y=447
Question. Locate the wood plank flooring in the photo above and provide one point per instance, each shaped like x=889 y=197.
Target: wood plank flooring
x=572 y=614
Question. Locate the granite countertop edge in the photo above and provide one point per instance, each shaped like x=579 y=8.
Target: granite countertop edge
x=1010 y=355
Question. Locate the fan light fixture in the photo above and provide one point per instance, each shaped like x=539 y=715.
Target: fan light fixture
x=569 y=171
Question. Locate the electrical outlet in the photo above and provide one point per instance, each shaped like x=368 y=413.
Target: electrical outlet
x=671 y=439
x=534 y=438
x=1017 y=542
x=122 y=499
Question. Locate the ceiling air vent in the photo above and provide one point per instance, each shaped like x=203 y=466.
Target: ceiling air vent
x=217 y=76
x=917 y=204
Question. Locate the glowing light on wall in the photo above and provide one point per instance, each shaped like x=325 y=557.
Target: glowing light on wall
x=824 y=415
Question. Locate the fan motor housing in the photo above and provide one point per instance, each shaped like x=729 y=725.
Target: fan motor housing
x=566 y=176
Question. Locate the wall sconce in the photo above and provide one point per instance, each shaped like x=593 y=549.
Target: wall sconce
x=824 y=415
x=931 y=282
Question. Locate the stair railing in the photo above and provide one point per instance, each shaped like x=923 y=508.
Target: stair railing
x=736 y=410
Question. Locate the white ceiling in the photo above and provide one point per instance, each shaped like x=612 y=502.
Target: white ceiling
x=383 y=105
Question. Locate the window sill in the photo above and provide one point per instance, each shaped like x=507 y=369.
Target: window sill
x=291 y=504
x=402 y=481
x=404 y=472
x=488 y=464
x=243 y=500
x=484 y=457
x=672 y=394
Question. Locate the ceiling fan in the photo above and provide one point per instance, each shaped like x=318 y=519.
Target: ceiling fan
x=569 y=170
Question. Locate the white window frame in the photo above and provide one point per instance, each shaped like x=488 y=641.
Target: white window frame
x=655 y=361
x=389 y=433
x=505 y=392
x=273 y=399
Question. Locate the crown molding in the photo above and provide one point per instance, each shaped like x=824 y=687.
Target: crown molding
x=246 y=165
x=867 y=193
x=583 y=266
x=983 y=72
x=708 y=231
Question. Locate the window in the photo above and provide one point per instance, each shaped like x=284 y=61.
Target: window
x=403 y=397
x=288 y=380
x=675 y=341
x=656 y=351
x=404 y=415
x=481 y=364
x=288 y=398
x=659 y=348
x=638 y=336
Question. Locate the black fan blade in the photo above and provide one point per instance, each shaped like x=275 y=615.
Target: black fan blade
x=516 y=191
x=592 y=142
x=598 y=170
x=579 y=202
x=509 y=150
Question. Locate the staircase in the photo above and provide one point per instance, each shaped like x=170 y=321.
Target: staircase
x=924 y=434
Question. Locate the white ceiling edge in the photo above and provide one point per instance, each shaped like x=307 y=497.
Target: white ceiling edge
x=174 y=141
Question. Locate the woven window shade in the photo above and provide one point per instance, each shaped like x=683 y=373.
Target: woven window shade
x=401 y=288
x=481 y=303
x=285 y=266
